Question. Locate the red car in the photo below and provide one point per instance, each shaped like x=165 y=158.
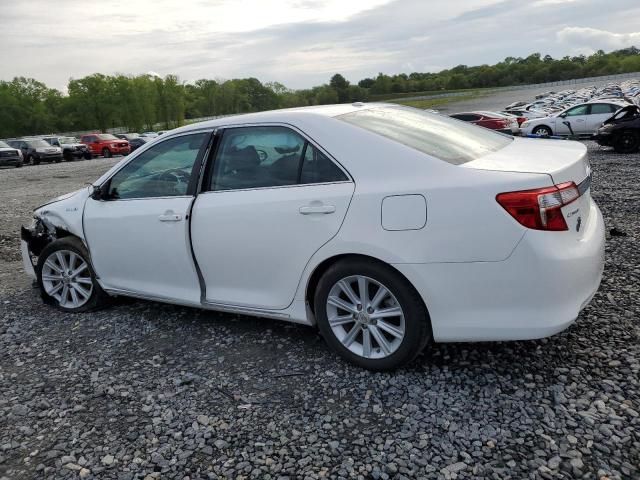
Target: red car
x=105 y=144
x=484 y=120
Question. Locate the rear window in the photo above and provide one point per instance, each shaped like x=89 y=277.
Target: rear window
x=442 y=137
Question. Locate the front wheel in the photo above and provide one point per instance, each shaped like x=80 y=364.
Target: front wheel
x=371 y=315
x=66 y=277
x=106 y=153
x=543 y=131
x=19 y=164
x=626 y=142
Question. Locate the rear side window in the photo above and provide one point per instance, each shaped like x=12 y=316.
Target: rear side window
x=442 y=137
x=267 y=157
x=598 y=108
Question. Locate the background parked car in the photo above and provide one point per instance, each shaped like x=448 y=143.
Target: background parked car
x=137 y=142
x=622 y=131
x=584 y=119
x=127 y=136
x=493 y=122
x=149 y=134
x=71 y=147
x=36 y=150
x=105 y=144
x=9 y=155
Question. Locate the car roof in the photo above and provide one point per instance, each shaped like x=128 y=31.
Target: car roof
x=285 y=115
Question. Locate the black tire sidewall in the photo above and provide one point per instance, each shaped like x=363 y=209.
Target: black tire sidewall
x=106 y=153
x=417 y=323
x=621 y=148
x=98 y=297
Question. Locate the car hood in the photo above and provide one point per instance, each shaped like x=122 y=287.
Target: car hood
x=8 y=149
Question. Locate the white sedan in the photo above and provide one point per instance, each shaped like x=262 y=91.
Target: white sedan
x=584 y=119
x=385 y=227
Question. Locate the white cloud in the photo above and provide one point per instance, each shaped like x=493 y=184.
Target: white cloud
x=596 y=39
x=299 y=43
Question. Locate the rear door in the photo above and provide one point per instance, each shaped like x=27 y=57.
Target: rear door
x=598 y=113
x=270 y=200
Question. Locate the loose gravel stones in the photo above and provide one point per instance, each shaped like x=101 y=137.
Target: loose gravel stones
x=149 y=391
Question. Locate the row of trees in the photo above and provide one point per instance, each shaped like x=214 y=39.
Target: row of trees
x=142 y=102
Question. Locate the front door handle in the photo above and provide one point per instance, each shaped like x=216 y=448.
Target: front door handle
x=323 y=209
x=170 y=217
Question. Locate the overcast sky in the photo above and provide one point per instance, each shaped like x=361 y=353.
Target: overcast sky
x=299 y=43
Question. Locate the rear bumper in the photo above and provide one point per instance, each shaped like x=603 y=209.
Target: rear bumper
x=537 y=292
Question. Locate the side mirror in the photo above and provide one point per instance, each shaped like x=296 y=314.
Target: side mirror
x=97 y=193
x=563 y=115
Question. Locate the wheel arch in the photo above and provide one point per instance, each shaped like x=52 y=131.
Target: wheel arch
x=542 y=125
x=322 y=267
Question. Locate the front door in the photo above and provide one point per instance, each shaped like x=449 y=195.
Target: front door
x=577 y=117
x=271 y=200
x=138 y=232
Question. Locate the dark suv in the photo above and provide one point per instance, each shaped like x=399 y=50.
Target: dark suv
x=36 y=150
x=71 y=147
x=9 y=155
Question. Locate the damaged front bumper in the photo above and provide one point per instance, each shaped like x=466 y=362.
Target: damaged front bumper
x=33 y=239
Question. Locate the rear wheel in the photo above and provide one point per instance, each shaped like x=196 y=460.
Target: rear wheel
x=35 y=160
x=370 y=315
x=66 y=278
x=626 y=141
x=19 y=164
x=543 y=131
x=88 y=156
x=106 y=153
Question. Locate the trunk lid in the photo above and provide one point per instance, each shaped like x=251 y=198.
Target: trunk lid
x=563 y=160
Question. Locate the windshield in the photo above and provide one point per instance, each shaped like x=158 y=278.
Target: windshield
x=106 y=136
x=451 y=140
x=38 y=143
x=3 y=145
x=68 y=140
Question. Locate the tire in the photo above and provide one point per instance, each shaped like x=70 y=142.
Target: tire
x=53 y=278
x=35 y=160
x=542 y=130
x=106 y=153
x=68 y=157
x=626 y=141
x=19 y=164
x=413 y=321
x=88 y=156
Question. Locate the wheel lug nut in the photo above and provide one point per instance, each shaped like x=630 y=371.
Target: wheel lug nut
x=359 y=307
x=369 y=310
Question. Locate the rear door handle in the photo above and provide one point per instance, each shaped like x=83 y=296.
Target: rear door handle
x=311 y=209
x=170 y=217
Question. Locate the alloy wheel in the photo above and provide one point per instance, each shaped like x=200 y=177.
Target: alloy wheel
x=365 y=317
x=66 y=277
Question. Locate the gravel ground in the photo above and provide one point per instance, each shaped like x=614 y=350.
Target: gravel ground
x=145 y=390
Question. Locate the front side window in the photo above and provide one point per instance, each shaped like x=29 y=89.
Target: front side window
x=164 y=170
x=269 y=156
x=436 y=135
x=579 y=110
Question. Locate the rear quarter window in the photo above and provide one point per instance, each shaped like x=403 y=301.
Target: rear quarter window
x=445 y=138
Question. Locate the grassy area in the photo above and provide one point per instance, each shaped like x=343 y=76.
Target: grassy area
x=441 y=101
x=382 y=97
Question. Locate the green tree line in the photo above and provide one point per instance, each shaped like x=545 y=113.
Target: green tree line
x=141 y=102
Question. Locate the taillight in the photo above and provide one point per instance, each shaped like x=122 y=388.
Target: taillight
x=540 y=209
